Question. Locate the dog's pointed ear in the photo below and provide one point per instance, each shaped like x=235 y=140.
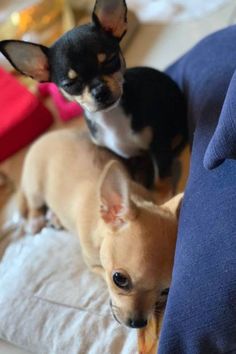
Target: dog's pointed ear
x=116 y=207
x=174 y=204
x=29 y=59
x=111 y=15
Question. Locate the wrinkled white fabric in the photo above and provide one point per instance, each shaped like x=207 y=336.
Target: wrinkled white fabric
x=50 y=303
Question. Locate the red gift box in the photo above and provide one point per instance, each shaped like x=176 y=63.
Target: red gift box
x=22 y=116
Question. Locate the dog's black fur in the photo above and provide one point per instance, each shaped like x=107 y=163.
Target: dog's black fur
x=158 y=103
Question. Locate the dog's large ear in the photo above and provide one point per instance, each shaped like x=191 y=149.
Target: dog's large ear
x=29 y=59
x=174 y=204
x=111 y=15
x=116 y=208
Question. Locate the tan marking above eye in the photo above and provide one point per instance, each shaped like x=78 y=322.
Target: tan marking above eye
x=72 y=74
x=101 y=57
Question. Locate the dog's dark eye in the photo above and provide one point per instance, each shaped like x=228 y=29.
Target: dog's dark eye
x=121 y=281
x=112 y=59
x=72 y=86
x=68 y=82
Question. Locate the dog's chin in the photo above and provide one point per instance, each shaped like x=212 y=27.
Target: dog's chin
x=110 y=106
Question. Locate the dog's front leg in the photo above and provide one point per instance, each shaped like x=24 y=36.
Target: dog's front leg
x=53 y=220
x=36 y=221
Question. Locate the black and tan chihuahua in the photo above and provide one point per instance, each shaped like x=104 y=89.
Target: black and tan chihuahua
x=129 y=111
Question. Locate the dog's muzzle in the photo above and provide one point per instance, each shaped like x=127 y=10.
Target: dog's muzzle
x=137 y=323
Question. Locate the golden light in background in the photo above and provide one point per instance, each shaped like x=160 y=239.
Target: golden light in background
x=15 y=18
x=41 y=21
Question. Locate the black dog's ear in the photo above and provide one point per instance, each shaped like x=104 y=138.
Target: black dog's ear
x=111 y=15
x=29 y=59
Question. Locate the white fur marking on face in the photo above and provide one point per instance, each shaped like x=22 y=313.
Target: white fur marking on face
x=101 y=57
x=86 y=100
x=72 y=74
x=66 y=95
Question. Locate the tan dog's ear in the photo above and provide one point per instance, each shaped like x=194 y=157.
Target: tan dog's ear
x=116 y=207
x=174 y=204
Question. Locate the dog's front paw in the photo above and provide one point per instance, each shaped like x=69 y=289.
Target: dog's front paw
x=35 y=225
x=53 y=221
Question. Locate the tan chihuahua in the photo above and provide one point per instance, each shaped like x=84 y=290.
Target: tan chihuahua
x=124 y=236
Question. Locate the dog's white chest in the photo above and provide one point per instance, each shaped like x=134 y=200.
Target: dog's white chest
x=112 y=129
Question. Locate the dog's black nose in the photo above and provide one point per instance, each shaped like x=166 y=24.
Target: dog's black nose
x=101 y=93
x=138 y=323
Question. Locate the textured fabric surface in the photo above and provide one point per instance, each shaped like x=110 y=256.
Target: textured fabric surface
x=201 y=310
x=52 y=304
x=223 y=143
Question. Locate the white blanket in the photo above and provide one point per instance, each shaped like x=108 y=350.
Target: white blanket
x=52 y=304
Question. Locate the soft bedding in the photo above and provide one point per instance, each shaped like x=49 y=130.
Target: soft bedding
x=51 y=303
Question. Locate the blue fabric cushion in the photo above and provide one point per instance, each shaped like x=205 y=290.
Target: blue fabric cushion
x=200 y=315
x=223 y=143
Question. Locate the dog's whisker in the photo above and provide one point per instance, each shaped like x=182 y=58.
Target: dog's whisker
x=113 y=311
x=115 y=307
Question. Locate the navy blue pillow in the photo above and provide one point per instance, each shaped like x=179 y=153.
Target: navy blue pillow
x=200 y=316
x=223 y=143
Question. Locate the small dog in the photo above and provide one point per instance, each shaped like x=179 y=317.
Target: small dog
x=128 y=111
x=124 y=236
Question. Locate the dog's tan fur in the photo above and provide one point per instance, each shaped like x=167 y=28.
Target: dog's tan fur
x=6 y=191
x=119 y=226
